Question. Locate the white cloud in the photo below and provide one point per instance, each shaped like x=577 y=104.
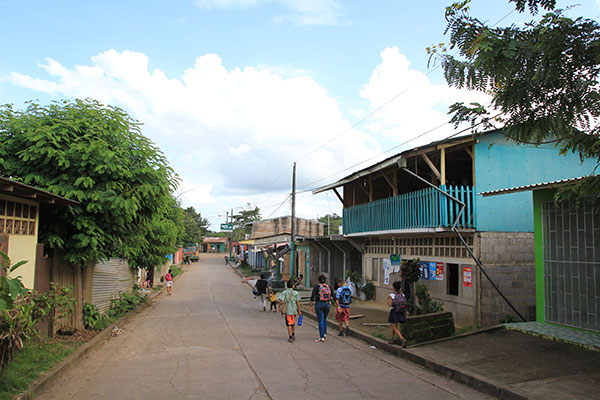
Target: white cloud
x=416 y=105
x=230 y=134
x=303 y=12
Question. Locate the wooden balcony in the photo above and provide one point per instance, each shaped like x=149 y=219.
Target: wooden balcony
x=425 y=209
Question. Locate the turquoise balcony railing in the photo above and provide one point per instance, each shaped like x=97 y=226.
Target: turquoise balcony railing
x=423 y=209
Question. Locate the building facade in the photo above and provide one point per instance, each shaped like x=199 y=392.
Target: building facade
x=395 y=207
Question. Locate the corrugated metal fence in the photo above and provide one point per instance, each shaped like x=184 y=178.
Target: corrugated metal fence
x=110 y=278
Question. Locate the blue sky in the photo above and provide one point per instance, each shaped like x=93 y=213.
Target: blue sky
x=234 y=91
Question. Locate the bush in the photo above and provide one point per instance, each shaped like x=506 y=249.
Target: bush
x=369 y=290
x=427 y=305
x=91 y=315
x=125 y=303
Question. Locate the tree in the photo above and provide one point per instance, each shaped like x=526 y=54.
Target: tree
x=332 y=223
x=242 y=222
x=195 y=226
x=96 y=155
x=159 y=237
x=542 y=77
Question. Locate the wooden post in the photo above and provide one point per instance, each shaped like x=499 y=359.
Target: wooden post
x=443 y=166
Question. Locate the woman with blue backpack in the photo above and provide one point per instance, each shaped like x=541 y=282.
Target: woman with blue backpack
x=319 y=303
x=397 y=303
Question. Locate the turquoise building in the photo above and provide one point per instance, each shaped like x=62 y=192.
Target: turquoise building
x=393 y=213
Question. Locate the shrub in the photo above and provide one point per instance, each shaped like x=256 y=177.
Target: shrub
x=427 y=305
x=91 y=315
x=124 y=303
x=369 y=290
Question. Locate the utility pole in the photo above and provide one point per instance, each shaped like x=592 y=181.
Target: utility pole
x=293 y=244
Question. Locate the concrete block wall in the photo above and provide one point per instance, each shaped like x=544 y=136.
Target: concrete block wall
x=509 y=260
x=281 y=225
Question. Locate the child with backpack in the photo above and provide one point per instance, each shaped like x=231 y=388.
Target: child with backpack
x=397 y=303
x=319 y=301
x=342 y=307
x=289 y=306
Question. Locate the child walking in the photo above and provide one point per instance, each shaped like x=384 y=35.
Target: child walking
x=289 y=306
x=169 y=280
x=273 y=300
x=397 y=303
x=342 y=307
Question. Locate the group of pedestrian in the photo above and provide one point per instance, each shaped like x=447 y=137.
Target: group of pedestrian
x=321 y=299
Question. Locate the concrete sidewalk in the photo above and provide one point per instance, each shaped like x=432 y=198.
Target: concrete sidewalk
x=500 y=362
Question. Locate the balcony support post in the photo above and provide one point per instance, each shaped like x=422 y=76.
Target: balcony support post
x=464 y=243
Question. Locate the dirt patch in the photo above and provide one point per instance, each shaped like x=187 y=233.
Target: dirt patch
x=78 y=337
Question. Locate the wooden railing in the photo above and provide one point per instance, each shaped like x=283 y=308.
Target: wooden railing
x=426 y=208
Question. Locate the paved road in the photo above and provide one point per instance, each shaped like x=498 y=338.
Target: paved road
x=209 y=341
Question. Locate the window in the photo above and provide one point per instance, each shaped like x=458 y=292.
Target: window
x=17 y=218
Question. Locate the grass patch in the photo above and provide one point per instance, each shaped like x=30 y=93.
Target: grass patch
x=380 y=333
x=29 y=364
x=176 y=270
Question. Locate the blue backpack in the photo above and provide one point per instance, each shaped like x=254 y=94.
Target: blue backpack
x=345 y=297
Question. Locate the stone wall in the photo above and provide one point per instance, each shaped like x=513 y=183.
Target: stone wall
x=427 y=327
x=509 y=260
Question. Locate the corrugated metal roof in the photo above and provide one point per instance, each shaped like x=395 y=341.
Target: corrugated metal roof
x=535 y=186
x=14 y=188
x=392 y=160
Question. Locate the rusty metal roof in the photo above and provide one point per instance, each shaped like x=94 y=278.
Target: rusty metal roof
x=18 y=189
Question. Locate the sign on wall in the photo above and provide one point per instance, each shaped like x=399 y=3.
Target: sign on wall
x=396 y=260
x=468 y=276
x=432 y=271
x=387 y=264
x=439 y=273
x=424 y=270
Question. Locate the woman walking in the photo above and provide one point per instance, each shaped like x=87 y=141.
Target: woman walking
x=397 y=303
x=319 y=303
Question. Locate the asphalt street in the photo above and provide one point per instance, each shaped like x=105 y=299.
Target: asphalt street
x=209 y=340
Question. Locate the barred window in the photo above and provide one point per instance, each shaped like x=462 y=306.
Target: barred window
x=17 y=218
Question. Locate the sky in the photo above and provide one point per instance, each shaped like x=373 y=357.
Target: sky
x=235 y=91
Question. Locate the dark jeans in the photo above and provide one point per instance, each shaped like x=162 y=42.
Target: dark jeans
x=322 y=309
x=273 y=306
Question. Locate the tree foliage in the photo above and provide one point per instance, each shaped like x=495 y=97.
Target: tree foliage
x=96 y=155
x=242 y=222
x=542 y=77
x=332 y=223
x=195 y=226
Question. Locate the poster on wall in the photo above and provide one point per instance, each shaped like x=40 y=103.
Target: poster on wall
x=468 y=276
x=387 y=264
x=424 y=265
x=396 y=260
x=439 y=271
x=432 y=271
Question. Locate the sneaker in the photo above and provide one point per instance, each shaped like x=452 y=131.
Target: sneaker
x=325 y=336
x=341 y=333
x=404 y=343
x=290 y=340
x=320 y=340
x=347 y=331
x=293 y=338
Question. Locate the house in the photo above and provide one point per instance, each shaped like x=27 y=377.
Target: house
x=567 y=256
x=397 y=216
x=269 y=246
x=214 y=244
x=19 y=221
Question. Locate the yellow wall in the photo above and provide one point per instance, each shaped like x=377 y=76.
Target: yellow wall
x=23 y=247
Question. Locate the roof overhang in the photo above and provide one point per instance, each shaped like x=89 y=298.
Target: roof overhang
x=18 y=189
x=536 y=186
x=388 y=162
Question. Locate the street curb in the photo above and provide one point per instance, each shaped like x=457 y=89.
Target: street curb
x=475 y=381
x=48 y=378
x=468 y=378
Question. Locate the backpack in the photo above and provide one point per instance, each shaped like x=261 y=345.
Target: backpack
x=324 y=293
x=399 y=303
x=168 y=277
x=345 y=297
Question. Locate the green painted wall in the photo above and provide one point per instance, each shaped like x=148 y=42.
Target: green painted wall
x=539 y=196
